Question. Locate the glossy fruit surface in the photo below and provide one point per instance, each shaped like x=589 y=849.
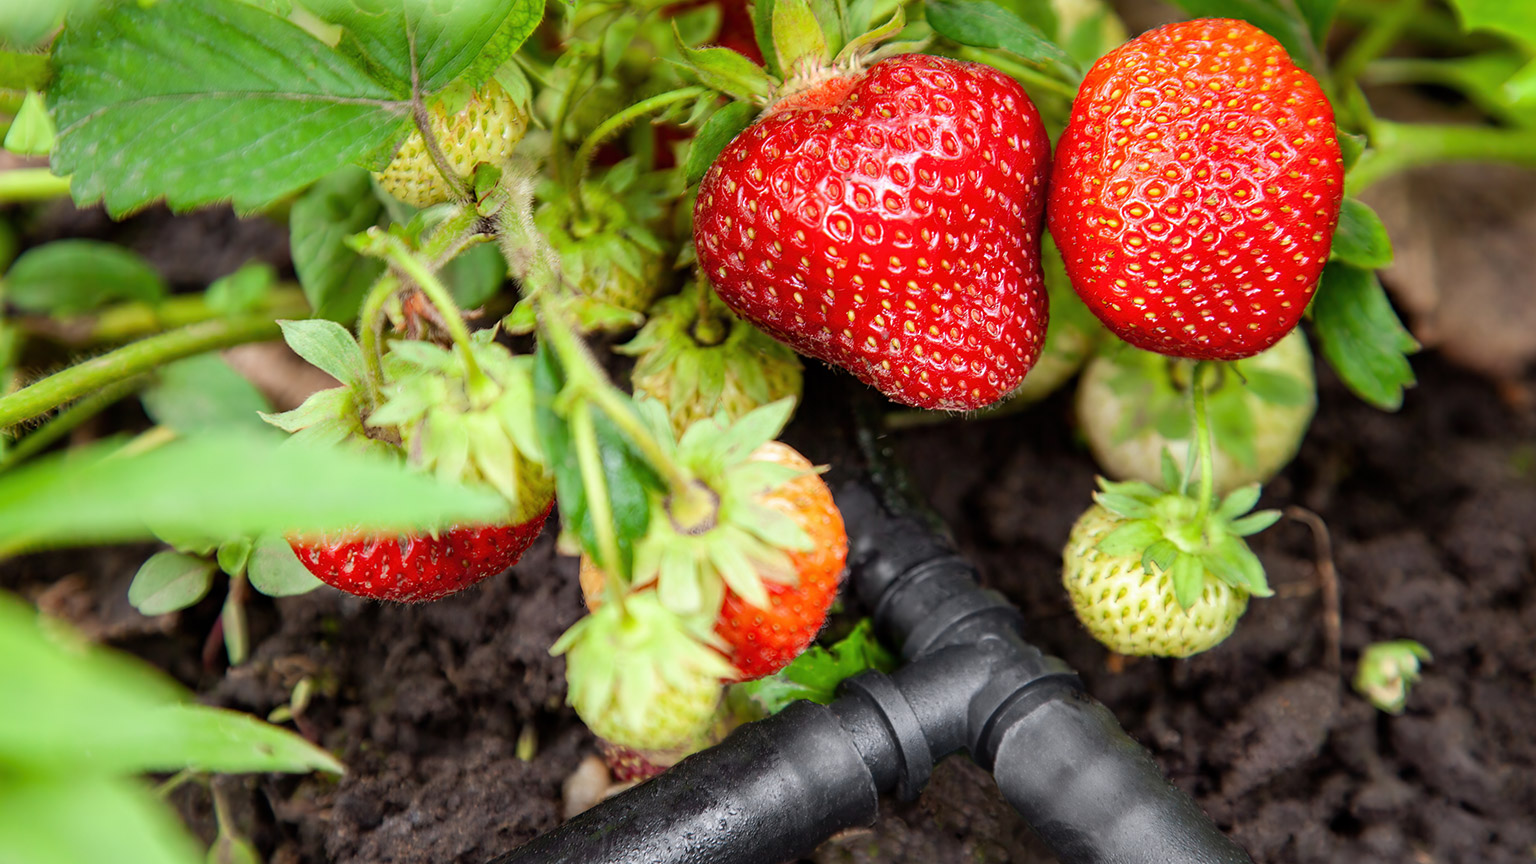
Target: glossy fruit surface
x=1133 y=612
x=889 y=223
x=415 y=568
x=1196 y=190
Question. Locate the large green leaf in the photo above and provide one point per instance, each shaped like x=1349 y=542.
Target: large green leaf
x=90 y=710
x=66 y=820
x=1515 y=18
x=1361 y=336
x=223 y=484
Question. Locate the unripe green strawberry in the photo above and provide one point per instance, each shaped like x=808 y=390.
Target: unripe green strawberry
x=703 y=365
x=485 y=129
x=1134 y=612
x=642 y=676
x=614 y=250
x=1133 y=405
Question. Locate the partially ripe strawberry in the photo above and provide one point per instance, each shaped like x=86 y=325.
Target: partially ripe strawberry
x=1133 y=406
x=1196 y=189
x=418 y=567
x=698 y=359
x=888 y=221
x=1135 y=612
x=485 y=129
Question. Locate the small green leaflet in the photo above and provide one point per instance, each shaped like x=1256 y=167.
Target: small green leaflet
x=984 y=25
x=68 y=277
x=718 y=131
x=32 y=132
x=1362 y=337
x=815 y=674
x=334 y=277
x=198 y=101
x=1361 y=240
x=169 y=581
x=275 y=571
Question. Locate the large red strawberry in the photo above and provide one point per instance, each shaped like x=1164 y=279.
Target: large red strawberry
x=1196 y=190
x=415 y=568
x=888 y=221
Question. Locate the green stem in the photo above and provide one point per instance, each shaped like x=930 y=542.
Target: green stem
x=1379 y=35
x=370 y=330
x=125 y=322
x=1400 y=146
x=68 y=420
x=1203 y=436
x=599 y=508
x=437 y=293
x=129 y=361
x=20 y=185
x=629 y=115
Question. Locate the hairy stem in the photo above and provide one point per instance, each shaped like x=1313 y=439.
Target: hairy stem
x=125 y=322
x=129 y=361
x=69 y=419
x=599 y=508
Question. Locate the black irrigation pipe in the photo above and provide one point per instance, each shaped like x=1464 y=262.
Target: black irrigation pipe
x=775 y=789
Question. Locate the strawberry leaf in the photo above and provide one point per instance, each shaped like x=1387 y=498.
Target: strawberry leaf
x=68 y=277
x=1360 y=239
x=1362 y=337
x=718 y=131
x=129 y=823
x=276 y=571
x=1512 y=19
x=985 y=25
x=816 y=674
x=203 y=392
x=1160 y=555
x=334 y=277
x=724 y=70
x=169 y=581
x=798 y=37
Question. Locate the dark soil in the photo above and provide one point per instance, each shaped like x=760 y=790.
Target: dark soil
x=1430 y=510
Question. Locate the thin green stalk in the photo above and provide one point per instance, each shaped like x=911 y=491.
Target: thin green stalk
x=1203 y=439
x=437 y=293
x=69 y=419
x=599 y=509
x=629 y=115
x=20 y=185
x=1400 y=146
x=369 y=330
x=125 y=322
x=131 y=360
x=1381 y=34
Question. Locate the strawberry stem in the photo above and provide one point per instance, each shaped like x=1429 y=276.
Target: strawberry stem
x=629 y=115
x=1377 y=38
x=1400 y=146
x=31 y=184
x=369 y=328
x=67 y=420
x=1203 y=436
x=124 y=322
x=599 y=509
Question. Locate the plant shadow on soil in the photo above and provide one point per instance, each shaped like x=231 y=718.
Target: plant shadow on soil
x=1429 y=511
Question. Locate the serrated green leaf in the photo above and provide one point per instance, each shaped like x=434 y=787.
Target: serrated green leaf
x=276 y=571
x=629 y=478
x=199 y=101
x=1188 y=576
x=985 y=25
x=40 y=821
x=329 y=347
x=722 y=127
x=1277 y=388
x=1278 y=18
x=169 y=581
x=1360 y=239
x=816 y=674
x=1254 y=523
x=1362 y=337
x=201 y=393
x=32 y=132
x=68 y=277
x=223 y=484
x=334 y=277
x=1131 y=538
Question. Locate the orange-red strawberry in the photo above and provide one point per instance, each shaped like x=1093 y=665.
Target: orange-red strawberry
x=415 y=568
x=888 y=221
x=1196 y=190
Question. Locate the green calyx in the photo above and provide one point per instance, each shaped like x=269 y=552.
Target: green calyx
x=611 y=249
x=726 y=537
x=1161 y=530
x=1387 y=671
x=468 y=423
x=641 y=675
x=700 y=360
x=335 y=417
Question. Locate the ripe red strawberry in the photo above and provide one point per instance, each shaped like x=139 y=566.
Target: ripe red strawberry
x=888 y=221
x=1196 y=190
x=415 y=568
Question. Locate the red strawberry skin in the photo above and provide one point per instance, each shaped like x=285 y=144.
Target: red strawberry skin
x=889 y=223
x=417 y=568
x=1196 y=189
